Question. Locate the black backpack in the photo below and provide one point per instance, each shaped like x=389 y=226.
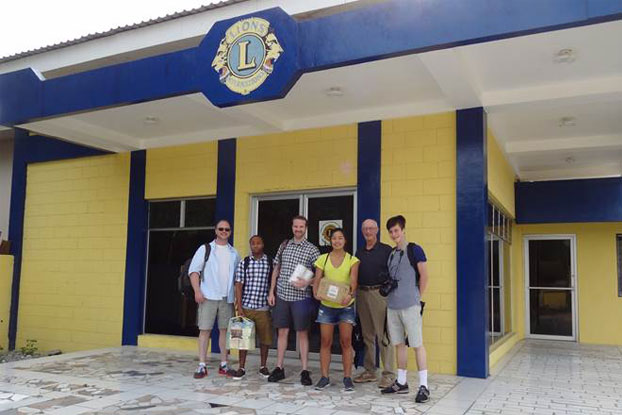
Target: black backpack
x=410 y=252
x=183 y=280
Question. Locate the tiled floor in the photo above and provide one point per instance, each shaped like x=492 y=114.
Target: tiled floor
x=555 y=378
x=540 y=377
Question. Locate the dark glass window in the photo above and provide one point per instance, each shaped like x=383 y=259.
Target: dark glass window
x=549 y=263
x=494 y=289
x=331 y=208
x=200 y=213
x=167 y=310
x=164 y=214
x=619 y=252
x=550 y=312
x=173 y=239
x=498 y=272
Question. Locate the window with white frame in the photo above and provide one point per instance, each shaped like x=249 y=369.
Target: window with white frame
x=499 y=273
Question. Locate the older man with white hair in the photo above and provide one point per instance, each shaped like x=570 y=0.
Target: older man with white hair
x=372 y=307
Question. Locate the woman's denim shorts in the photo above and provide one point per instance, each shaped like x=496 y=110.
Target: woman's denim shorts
x=330 y=315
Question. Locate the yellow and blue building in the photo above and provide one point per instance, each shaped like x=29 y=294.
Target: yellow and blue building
x=121 y=163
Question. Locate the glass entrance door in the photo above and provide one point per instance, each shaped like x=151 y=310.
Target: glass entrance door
x=271 y=218
x=551 y=287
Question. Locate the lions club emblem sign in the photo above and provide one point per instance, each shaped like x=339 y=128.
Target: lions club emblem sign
x=246 y=55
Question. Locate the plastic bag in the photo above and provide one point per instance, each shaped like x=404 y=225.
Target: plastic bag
x=301 y=273
x=241 y=334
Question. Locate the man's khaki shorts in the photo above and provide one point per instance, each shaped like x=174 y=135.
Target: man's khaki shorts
x=263 y=324
x=406 y=320
x=208 y=310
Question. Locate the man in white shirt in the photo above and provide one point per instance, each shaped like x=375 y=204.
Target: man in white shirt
x=212 y=281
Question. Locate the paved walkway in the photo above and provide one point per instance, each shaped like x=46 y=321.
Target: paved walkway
x=539 y=377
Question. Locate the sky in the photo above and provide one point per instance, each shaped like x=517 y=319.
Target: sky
x=29 y=24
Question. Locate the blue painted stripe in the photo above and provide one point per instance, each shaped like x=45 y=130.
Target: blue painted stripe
x=225 y=199
x=471 y=205
x=136 y=251
x=567 y=201
x=395 y=28
x=368 y=174
x=30 y=149
x=371 y=32
x=368 y=188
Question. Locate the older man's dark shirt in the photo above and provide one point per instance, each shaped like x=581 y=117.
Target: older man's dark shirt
x=373 y=264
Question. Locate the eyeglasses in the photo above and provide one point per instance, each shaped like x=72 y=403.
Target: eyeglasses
x=224 y=229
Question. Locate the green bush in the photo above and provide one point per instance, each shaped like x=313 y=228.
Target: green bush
x=31 y=347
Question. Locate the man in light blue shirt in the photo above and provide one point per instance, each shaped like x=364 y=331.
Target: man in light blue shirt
x=212 y=282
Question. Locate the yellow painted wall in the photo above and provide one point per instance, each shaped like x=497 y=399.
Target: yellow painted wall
x=501 y=348
x=169 y=342
x=501 y=176
x=6 y=282
x=599 y=306
x=182 y=171
x=73 y=263
x=301 y=160
x=418 y=176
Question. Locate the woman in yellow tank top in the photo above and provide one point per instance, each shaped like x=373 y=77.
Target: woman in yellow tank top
x=337 y=266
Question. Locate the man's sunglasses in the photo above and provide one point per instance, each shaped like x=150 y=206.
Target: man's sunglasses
x=224 y=229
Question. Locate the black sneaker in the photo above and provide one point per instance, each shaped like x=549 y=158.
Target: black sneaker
x=276 y=375
x=238 y=374
x=231 y=372
x=305 y=378
x=423 y=395
x=323 y=383
x=263 y=371
x=396 y=388
x=348 y=385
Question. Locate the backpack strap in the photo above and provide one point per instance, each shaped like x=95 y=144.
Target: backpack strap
x=247 y=261
x=208 y=252
x=281 y=250
x=410 y=252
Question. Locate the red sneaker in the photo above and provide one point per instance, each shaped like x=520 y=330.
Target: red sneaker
x=201 y=372
x=222 y=370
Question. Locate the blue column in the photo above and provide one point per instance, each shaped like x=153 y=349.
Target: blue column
x=471 y=201
x=225 y=181
x=225 y=199
x=136 y=252
x=368 y=190
x=30 y=149
x=368 y=174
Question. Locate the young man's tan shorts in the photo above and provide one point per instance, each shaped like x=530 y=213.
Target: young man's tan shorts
x=405 y=320
x=263 y=324
x=208 y=310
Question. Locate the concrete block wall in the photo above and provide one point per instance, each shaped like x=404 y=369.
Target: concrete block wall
x=6 y=282
x=419 y=181
x=181 y=171
x=73 y=263
x=299 y=160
